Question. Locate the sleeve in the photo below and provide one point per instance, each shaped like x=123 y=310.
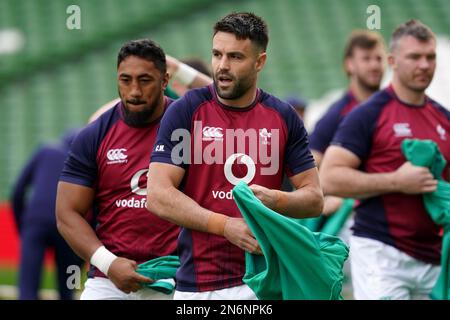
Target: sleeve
x=173 y=142
x=356 y=130
x=80 y=166
x=298 y=157
x=324 y=130
x=24 y=180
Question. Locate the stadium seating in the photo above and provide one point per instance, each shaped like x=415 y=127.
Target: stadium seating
x=63 y=75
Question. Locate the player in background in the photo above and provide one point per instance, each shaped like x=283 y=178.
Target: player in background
x=364 y=64
x=33 y=201
x=395 y=246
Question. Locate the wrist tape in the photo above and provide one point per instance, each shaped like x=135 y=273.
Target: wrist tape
x=185 y=74
x=216 y=224
x=102 y=259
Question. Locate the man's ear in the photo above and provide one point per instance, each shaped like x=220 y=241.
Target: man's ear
x=348 y=66
x=391 y=60
x=261 y=61
x=165 y=80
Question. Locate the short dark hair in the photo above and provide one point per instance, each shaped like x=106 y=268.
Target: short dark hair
x=363 y=39
x=145 y=49
x=245 y=25
x=413 y=28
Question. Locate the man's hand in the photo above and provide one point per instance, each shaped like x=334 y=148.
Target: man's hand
x=238 y=233
x=122 y=273
x=331 y=205
x=411 y=179
x=268 y=197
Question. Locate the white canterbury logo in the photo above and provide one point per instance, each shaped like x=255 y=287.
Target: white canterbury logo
x=116 y=156
x=402 y=130
x=441 y=131
x=212 y=133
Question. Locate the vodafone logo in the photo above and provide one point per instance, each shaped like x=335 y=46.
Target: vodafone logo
x=135 y=201
x=227 y=170
x=134 y=184
x=243 y=159
x=212 y=133
x=116 y=156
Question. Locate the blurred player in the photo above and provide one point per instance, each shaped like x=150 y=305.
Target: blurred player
x=395 y=247
x=364 y=60
x=33 y=201
x=107 y=169
x=364 y=63
x=215 y=236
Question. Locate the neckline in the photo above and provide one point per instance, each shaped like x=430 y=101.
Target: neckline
x=231 y=108
x=391 y=91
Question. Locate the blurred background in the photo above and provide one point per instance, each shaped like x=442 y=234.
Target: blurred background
x=53 y=78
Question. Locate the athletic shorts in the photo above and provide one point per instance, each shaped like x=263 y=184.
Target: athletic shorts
x=382 y=272
x=242 y=292
x=99 y=288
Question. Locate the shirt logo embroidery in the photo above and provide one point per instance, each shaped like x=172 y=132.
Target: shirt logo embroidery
x=212 y=133
x=402 y=130
x=441 y=132
x=159 y=148
x=117 y=156
x=265 y=135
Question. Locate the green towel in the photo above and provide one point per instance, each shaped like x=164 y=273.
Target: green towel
x=162 y=270
x=313 y=224
x=169 y=92
x=297 y=263
x=336 y=221
x=426 y=153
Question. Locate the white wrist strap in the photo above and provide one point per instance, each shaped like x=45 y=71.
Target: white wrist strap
x=185 y=74
x=102 y=259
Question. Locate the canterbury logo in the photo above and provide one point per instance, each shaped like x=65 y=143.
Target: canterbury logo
x=212 y=133
x=116 y=156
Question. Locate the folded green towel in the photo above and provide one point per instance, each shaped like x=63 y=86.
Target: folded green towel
x=336 y=221
x=162 y=270
x=426 y=153
x=297 y=263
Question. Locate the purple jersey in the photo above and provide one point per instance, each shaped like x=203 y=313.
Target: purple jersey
x=210 y=262
x=326 y=127
x=112 y=158
x=374 y=132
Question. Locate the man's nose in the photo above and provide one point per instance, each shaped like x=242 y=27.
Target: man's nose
x=136 y=91
x=424 y=63
x=224 y=63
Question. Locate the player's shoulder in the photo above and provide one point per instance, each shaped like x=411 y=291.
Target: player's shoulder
x=282 y=107
x=189 y=102
x=339 y=105
x=372 y=107
x=96 y=130
x=439 y=107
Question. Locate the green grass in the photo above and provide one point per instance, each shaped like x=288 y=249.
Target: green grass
x=9 y=277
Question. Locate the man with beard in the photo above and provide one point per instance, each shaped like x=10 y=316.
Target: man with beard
x=364 y=58
x=228 y=122
x=106 y=169
x=395 y=246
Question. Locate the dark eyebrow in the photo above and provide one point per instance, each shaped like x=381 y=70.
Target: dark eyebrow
x=143 y=75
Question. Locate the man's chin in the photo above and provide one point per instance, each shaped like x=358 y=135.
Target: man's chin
x=138 y=118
